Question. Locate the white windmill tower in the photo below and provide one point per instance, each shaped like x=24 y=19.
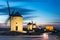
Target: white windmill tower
x=30 y=25
x=16 y=20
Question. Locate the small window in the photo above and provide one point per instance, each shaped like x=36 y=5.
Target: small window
x=16 y=22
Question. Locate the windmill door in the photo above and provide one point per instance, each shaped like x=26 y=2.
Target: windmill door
x=16 y=28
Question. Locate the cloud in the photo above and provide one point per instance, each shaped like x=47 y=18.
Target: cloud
x=23 y=11
x=29 y=17
x=1 y=5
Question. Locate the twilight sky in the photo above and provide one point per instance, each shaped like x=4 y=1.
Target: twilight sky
x=40 y=11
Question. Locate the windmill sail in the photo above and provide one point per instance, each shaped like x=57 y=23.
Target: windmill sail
x=32 y=24
x=8 y=8
x=8 y=13
x=7 y=20
x=12 y=13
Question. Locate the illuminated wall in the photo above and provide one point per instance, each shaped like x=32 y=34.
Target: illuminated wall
x=17 y=23
x=49 y=27
x=30 y=26
x=34 y=25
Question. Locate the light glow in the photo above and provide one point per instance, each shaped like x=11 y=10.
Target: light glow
x=45 y=36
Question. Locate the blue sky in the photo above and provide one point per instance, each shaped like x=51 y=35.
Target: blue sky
x=40 y=11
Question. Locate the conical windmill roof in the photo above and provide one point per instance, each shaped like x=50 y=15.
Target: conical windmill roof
x=34 y=24
x=17 y=14
x=29 y=23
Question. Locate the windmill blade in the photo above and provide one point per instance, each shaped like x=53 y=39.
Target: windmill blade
x=32 y=23
x=13 y=12
x=7 y=20
x=8 y=8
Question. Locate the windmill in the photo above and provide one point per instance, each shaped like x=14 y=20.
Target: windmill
x=30 y=25
x=16 y=20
